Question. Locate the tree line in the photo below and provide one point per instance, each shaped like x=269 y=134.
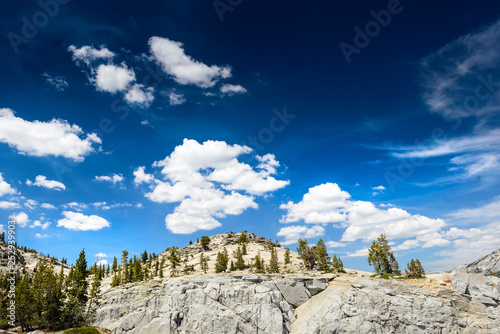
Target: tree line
x=47 y=300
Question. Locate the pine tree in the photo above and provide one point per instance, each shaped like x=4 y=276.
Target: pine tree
x=173 y=256
x=337 y=264
x=221 y=261
x=115 y=264
x=2 y=237
x=273 y=262
x=244 y=249
x=414 y=269
x=258 y=263
x=205 y=241
x=48 y=297
x=157 y=266
x=381 y=257
x=116 y=280
x=307 y=254
x=144 y=257
x=25 y=304
x=240 y=262
x=203 y=262
x=137 y=271
x=232 y=267
x=94 y=298
x=61 y=277
x=287 y=256
x=78 y=282
x=74 y=309
x=124 y=266
x=322 y=258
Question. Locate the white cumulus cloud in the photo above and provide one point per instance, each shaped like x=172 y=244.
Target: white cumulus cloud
x=210 y=183
x=5 y=188
x=230 y=90
x=9 y=205
x=114 y=178
x=140 y=176
x=41 y=181
x=293 y=233
x=38 y=223
x=77 y=221
x=140 y=95
x=20 y=218
x=56 y=138
x=184 y=69
x=327 y=203
x=88 y=54
x=112 y=78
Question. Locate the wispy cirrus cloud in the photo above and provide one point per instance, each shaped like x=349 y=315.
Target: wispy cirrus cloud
x=462 y=79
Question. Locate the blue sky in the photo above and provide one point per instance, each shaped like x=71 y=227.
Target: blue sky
x=144 y=125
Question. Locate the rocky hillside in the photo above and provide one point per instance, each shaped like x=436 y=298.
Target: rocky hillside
x=26 y=260
x=255 y=245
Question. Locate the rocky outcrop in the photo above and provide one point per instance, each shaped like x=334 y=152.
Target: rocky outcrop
x=245 y=303
x=476 y=280
x=380 y=306
x=487 y=265
x=207 y=304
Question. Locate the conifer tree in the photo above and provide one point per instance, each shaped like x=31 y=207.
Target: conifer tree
x=25 y=304
x=61 y=277
x=173 y=257
x=240 y=262
x=221 y=261
x=124 y=266
x=307 y=254
x=205 y=241
x=115 y=264
x=337 y=264
x=203 y=262
x=287 y=256
x=381 y=257
x=414 y=269
x=232 y=267
x=137 y=271
x=244 y=249
x=47 y=295
x=157 y=265
x=273 y=262
x=94 y=298
x=77 y=292
x=258 y=263
x=322 y=258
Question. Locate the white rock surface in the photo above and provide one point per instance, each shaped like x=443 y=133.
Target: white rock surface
x=206 y=304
